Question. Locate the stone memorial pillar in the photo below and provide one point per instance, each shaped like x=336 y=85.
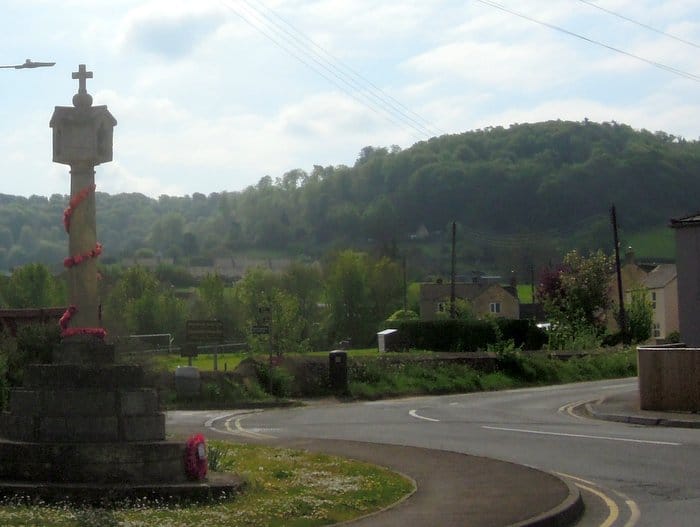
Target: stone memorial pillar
x=85 y=427
x=82 y=138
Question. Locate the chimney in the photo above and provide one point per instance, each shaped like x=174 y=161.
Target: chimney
x=629 y=255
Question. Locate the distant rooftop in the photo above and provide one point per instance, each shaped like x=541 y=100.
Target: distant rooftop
x=687 y=221
x=660 y=276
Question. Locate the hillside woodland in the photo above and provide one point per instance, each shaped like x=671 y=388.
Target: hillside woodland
x=522 y=196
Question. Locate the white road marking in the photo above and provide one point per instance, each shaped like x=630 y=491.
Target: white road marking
x=210 y=422
x=413 y=413
x=569 y=410
x=243 y=431
x=237 y=428
x=583 y=436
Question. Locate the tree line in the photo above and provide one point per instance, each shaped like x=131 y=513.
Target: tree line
x=311 y=307
x=523 y=194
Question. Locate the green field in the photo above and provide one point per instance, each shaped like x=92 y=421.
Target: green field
x=658 y=243
x=525 y=293
x=204 y=362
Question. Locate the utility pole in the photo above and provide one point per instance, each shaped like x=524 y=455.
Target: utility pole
x=453 y=311
x=621 y=296
x=404 y=284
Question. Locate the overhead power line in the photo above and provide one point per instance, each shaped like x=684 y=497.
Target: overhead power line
x=660 y=65
x=338 y=65
x=305 y=50
x=641 y=24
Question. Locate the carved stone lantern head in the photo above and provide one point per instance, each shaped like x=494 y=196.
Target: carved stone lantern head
x=82 y=133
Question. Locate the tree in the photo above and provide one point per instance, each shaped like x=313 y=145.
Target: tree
x=32 y=285
x=640 y=315
x=385 y=285
x=348 y=297
x=303 y=283
x=575 y=295
x=127 y=305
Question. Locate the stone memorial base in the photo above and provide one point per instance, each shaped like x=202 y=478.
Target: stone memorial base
x=85 y=428
x=217 y=487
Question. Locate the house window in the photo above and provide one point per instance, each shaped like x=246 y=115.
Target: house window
x=653 y=300
x=495 y=307
x=656 y=329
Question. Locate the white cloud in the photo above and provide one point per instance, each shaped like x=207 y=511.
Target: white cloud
x=223 y=106
x=168 y=28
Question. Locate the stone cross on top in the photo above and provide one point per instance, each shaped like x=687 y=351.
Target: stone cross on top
x=82 y=75
x=82 y=99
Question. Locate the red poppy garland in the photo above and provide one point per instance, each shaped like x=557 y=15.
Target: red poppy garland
x=74 y=260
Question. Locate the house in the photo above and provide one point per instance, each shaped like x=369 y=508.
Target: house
x=486 y=299
x=661 y=285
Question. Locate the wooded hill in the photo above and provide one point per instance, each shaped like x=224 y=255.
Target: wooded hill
x=521 y=196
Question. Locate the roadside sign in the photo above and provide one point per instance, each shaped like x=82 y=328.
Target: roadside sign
x=260 y=330
x=202 y=331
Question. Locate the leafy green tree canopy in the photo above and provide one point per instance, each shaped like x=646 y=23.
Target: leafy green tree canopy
x=576 y=294
x=32 y=285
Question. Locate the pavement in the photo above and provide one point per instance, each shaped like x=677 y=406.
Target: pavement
x=624 y=408
x=454 y=489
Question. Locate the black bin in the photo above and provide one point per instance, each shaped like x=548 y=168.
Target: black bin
x=338 y=370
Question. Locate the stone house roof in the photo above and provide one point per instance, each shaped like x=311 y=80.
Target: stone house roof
x=660 y=276
x=465 y=290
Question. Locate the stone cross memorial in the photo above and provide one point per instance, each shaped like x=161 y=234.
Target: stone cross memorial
x=85 y=427
x=82 y=138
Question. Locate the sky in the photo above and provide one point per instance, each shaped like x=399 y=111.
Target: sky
x=213 y=95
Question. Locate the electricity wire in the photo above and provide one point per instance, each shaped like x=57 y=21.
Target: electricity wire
x=641 y=24
x=297 y=48
x=660 y=65
x=336 y=64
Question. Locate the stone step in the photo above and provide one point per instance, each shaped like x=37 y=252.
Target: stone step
x=82 y=429
x=67 y=376
x=52 y=402
x=83 y=350
x=138 y=462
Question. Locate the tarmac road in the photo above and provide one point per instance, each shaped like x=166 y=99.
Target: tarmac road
x=628 y=474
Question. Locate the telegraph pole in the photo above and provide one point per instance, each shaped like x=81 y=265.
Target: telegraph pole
x=453 y=311
x=620 y=293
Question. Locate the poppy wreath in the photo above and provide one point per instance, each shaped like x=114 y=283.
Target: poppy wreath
x=69 y=332
x=196 y=457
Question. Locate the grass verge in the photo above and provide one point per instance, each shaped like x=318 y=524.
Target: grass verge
x=286 y=488
x=376 y=379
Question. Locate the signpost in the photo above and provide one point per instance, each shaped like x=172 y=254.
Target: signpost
x=262 y=326
x=201 y=332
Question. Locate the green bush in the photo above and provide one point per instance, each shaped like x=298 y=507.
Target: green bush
x=282 y=380
x=34 y=344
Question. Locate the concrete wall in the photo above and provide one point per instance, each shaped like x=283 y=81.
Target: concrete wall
x=687 y=258
x=668 y=378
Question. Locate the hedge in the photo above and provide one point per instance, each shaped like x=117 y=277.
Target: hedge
x=467 y=335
